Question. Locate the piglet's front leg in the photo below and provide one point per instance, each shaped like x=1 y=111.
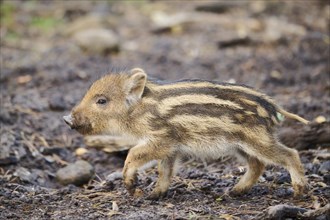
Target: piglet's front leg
x=130 y=172
x=137 y=157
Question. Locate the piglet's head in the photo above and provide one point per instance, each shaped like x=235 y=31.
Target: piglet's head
x=105 y=107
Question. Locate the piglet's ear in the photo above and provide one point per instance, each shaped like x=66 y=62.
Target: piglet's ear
x=135 y=85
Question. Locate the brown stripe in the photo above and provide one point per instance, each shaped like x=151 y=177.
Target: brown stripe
x=226 y=93
x=202 y=84
x=221 y=127
x=167 y=104
x=239 y=116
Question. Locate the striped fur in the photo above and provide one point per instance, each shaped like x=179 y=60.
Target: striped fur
x=190 y=117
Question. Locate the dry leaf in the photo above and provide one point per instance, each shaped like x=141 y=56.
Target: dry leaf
x=24 y=79
x=115 y=206
x=115 y=209
x=228 y=217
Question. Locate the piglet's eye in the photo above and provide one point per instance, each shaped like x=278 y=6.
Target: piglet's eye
x=101 y=101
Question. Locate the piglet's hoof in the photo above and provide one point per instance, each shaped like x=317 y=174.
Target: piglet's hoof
x=156 y=195
x=130 y=189
x=300 y=191
x=236 y=192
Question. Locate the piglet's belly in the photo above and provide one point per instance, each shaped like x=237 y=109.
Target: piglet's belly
x=210 y=150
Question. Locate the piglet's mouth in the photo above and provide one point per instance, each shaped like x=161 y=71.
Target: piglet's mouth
x=68 y=119
x=83 y=128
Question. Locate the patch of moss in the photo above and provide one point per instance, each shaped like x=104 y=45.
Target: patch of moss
x=6 y=13
x=44 y=23
x=12 y=36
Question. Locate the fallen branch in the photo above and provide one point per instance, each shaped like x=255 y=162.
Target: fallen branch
x=310 y=136
x=284 y=211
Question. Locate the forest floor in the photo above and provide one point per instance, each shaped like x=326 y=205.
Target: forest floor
x=280 y=48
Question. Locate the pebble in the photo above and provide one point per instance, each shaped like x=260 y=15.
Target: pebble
x=325 y=167
x=77 y=173
x=206 y=186
x=276 y=29
x=169 y=23
x=233 y=42
x=283 y=178
x=88 y=21
x=218 y=7
x=284 y=211
x=327 y=179
x=52 y=150
x=6 y=116
x=320 y=119
x=7 y=155
x=269 y=178
x=81 y=151
x=98 y=40
x=67 y=190
x=312 y=168
x=283 y=192
x=57 y=103
x=24 y=174
x=259 y=190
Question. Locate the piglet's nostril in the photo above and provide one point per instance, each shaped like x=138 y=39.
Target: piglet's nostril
x=68 y=120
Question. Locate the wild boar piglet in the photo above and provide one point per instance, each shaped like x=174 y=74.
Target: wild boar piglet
x=204 y=119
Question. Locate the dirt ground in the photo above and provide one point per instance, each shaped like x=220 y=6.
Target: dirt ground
x=279 y=47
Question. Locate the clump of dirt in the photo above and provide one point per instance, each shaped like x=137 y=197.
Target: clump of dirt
x=274 y=47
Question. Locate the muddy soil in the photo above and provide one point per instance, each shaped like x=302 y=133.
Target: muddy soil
x=281 y=48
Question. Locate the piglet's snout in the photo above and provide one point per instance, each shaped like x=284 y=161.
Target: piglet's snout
x=69 y=120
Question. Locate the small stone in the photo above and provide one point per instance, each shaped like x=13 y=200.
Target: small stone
x=283 y=178
x=278 y=29
x=325 y=167
x=49 y=159
x=24 y=174
x=170 y=23
x=206 y=186
x=320 y=119
x=234 y=41
x=89 y=21
x=218 y=7
x=269 y=176
x=77 y=173
x=114 y=176
x=57 y=103
x=99 y=41
x=312 y=168
x=6 y=116
x=283 y=192
x=259 y=190
x=327 y=179
x=52 y=150
x=284 y=211
x=7 y=154
x=80 y=151
x=276 y=74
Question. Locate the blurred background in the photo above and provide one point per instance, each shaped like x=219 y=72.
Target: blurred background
x=51 y=52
